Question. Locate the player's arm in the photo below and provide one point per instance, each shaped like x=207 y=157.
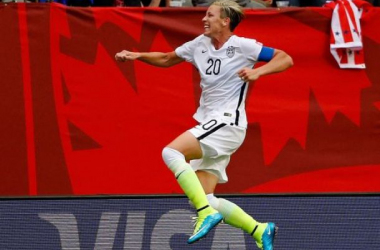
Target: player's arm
x=159 y=59
x=277 y=61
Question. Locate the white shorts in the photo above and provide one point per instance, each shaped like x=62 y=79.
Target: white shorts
x=218 y=142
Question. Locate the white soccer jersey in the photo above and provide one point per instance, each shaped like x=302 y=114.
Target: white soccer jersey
x=223 y=92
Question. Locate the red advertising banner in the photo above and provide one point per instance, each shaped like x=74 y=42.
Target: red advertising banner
x=76 y=122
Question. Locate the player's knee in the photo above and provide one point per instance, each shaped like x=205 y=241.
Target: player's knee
x=213 y=201
x=170 y=156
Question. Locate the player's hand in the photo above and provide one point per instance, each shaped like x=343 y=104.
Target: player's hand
x=126 y=55
x=249 y=75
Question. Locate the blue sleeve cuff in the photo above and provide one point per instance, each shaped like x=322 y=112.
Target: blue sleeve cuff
x=266 y=54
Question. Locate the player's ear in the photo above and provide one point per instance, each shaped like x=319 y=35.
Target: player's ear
x=226 y=21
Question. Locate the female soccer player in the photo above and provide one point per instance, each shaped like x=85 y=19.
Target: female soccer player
x=225 y=64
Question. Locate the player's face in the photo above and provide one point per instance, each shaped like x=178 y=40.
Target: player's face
x=212 y=22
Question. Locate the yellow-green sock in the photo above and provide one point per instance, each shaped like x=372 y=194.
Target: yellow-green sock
x=191 y=186
x=235 y=216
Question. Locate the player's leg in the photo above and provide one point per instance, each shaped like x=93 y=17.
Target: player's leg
x=232 y=213
x=235 y=216
x=176 y=154
x=263 y=233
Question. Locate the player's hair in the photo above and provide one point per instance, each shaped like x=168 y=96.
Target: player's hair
x=232 y=10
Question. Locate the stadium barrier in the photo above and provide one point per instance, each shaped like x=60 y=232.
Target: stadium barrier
x=349 y=222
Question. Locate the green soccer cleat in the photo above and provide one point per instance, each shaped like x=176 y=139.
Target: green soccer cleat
x=203 y=226
x=266 y=239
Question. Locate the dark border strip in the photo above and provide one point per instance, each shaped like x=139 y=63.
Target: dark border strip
x=239 y=103
x=211 y=131
x=163 y=196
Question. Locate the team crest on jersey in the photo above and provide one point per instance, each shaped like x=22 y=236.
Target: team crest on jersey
x=230 y=51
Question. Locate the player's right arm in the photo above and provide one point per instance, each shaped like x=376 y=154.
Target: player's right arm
x=159 y=59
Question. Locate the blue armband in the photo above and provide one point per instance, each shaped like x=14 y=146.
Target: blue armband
x=266 y=54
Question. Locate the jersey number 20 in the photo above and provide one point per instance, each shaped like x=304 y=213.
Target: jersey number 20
x=214 y=66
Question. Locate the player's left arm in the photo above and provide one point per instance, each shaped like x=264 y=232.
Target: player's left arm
x=277 y=61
